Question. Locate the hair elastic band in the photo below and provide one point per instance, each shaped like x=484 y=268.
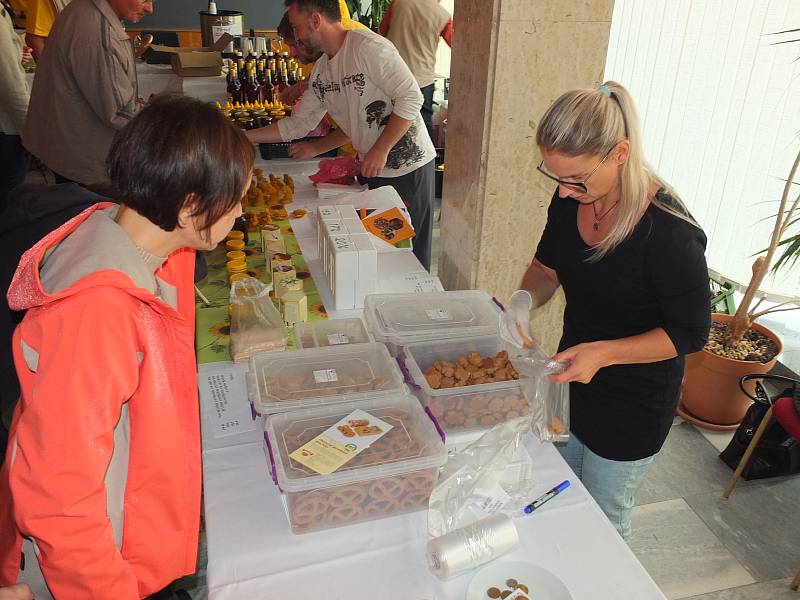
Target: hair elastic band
x=603 y=89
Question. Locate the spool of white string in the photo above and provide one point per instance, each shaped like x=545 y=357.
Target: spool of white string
x=471 y=546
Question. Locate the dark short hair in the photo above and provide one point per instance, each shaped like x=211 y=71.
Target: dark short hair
x=327 y=8
x=175 y=147
x=285 y=29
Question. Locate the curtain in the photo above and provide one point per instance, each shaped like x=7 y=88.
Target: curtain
x=719 y=103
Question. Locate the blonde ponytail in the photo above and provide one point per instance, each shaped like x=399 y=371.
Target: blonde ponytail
x=586 y=121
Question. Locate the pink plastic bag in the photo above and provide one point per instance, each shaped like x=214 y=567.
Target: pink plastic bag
x=341 y=169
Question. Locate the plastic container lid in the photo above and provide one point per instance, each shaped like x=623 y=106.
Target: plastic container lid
x=331 y=332
x=314 y=376
x=408 y=318
x=411 y=445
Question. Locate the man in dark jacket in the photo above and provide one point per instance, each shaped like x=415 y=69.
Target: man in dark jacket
x=33 y=211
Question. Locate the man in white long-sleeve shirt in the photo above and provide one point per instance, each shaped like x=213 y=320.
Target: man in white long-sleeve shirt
x=365 y=86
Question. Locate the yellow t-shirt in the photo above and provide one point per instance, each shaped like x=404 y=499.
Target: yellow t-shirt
x=41 y=16
x=346 y=20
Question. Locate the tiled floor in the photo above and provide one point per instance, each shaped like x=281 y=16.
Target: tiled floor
x=695 y=544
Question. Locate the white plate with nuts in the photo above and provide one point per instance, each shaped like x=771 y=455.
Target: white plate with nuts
x=515 y=580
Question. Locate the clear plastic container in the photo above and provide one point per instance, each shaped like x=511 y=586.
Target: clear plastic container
x=395 y=474
x=469 y=407
x=331 y=332
x=400 y=319
x=286 y=381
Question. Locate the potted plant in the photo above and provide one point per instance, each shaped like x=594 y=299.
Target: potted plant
x=737 y=345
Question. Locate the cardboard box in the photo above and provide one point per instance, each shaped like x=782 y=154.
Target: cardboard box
x=197 y=62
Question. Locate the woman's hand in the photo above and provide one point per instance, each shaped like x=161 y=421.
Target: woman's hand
x=584 y=361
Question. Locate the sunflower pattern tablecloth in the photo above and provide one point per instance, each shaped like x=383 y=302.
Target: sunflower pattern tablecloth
x=212 y=336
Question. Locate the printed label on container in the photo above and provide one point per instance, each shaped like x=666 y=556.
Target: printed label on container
x=438 y=314
x=325 y=376
x=334 y=339
x=343 y=440
x=217 y=31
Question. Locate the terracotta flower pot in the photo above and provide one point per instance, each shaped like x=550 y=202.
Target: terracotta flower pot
x=711 y=384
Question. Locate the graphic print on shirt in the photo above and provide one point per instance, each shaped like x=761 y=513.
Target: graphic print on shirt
x=321 y=88
x=376 y=114
x=405 y=151
x=357 y=80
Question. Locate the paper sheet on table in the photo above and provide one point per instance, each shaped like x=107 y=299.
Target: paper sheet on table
x=223 y=393
x=422 y=282
x=382 y=198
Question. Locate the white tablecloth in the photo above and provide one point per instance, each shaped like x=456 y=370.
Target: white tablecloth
x=253 y=554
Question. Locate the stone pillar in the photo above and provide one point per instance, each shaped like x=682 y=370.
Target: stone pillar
x=510 y=60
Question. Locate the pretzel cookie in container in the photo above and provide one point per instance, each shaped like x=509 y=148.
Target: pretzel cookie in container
x=395 y=474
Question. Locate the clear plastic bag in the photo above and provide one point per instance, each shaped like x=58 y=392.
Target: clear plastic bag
x=549 y=401
x=492 y=475
x=256 y=325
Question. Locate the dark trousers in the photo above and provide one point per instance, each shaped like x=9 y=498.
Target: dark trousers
x=416 y=190
x=427 y=109
x=14 y=162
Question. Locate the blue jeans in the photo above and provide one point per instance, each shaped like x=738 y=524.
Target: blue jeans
x=612 y=483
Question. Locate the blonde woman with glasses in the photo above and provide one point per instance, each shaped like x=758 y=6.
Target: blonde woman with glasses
x=630 y=259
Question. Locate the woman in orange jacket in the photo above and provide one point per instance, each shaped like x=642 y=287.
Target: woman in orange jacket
x=100 y=489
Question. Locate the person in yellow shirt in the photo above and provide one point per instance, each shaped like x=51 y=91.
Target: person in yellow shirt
x=41 y=16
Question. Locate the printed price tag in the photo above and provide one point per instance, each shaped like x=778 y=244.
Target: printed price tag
x=422 y=282
x=325 y=376
x=438 y=314
x=218 y=30
x=334 y=339
x=494 y=500
x=343 y=440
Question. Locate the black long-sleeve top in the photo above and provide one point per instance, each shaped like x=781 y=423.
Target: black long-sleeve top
x=656 y=278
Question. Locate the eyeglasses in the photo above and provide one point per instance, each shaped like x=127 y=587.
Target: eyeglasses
x=577 y=186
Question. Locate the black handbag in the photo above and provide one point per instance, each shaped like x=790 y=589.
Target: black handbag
x=777 y=452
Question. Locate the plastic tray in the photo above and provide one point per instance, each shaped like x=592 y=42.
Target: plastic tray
x=287 y=381
x=395 y=474
x=401 y=319
x=469 y=407
x=331 y=332
x=281 y=149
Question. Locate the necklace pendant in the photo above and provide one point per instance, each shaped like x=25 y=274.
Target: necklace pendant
x=596 y=225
